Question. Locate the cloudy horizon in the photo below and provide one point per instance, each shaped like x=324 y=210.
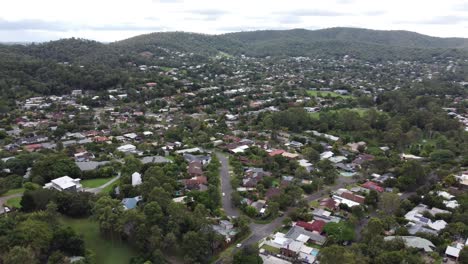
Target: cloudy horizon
x=107 y=21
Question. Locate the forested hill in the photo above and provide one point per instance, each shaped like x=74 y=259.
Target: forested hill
x=361 y=43
x=399 y=38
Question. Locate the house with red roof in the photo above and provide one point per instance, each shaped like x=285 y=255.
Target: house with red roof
x=372 y=186
x=329 y=203
x=33 y=147
x=272 y=192
x=276 y=152
x=315 y=226
x=195 y=183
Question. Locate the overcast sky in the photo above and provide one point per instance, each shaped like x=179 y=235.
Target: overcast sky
x=110 y=20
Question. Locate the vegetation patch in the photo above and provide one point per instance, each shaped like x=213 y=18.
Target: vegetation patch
x=14 y=191
x=105 y=251
x=14 y=202
x=94 y=183
x=271 y=249
x=327 y=94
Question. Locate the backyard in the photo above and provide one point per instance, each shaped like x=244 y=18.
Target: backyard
x=94 y=183
x=105 y=251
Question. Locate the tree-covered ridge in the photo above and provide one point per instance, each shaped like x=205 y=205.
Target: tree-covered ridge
x=399 y=38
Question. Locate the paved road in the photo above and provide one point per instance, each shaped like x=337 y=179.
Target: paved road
x=260 y=231
x=99 y=189
x=226 y=187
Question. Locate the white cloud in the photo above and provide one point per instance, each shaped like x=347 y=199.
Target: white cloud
x=110 y=20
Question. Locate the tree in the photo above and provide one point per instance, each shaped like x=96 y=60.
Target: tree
x=36 y=234
x=357 y=211
x=250 y=211
x=463 y=259
x=338 y=254
x=372 y=198
x=54 y=166
x=311 y=154
x=20 y=255
x=248 y=255
x=340 y=231
x=442 y=156
x=67 y=241
x=195 y=245
x=389 y=202
x=326 y=171
x=108 y=213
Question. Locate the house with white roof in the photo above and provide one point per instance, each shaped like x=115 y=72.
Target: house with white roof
x=126 y=148
x=64 y=183
x=136 y=179
x=416 y=216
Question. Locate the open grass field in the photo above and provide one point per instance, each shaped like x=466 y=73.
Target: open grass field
x=327 y=94
x=93 y=183
x=14 y=202
x=105 y=251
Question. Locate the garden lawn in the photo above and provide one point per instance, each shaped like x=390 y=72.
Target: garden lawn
x=14 y=191
x=105 y=250
x=271 y=249
x=14 y=202
x=94 y=183
x=326 y=94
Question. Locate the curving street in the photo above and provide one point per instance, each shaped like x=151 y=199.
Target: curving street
x=260 y=231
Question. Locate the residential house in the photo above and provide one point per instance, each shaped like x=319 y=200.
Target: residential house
x=204 y=159
x=64 y=183
x=329 y=204
x=414 y=242
x=272 y=192
x=275 y=152
x=195 y=168
x=361 y=158
x=372 y=186
x=136 y=179
x=312 y=237
x=315 y=226
x=127 y=148
x=90 y=165
x=346 y=197
x=155 y=159
x=226 y=229
x=131 y=203
x=416 y=216
x=196 y=183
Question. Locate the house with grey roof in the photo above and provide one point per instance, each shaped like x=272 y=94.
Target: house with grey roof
x=155 y=159
x=90 y=165
x=414 y=242
x=297 y=232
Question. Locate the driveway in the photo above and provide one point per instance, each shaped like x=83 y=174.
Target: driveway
x=226 y=187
